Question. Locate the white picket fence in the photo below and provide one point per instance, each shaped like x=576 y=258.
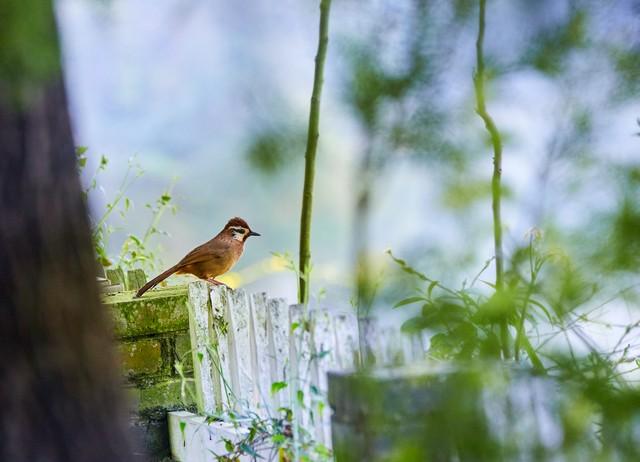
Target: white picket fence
x=243 y=343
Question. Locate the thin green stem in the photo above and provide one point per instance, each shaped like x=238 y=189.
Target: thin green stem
x=533 y=355
x=310 y=154
x=153 y=225
x=533 y=275
x=124 y=185
x=481 y=109
x=520 y=327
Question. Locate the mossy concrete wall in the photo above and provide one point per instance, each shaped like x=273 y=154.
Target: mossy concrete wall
x=152 y=334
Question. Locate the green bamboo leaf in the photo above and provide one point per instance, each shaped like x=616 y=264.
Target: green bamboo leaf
x=408 y=301
x=431 y=287
x=543 y=308
x=490 y=284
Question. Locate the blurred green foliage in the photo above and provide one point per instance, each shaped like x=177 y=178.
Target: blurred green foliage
x=484 y=411
x=273 y=149
x=556 y=291
x=136 y=251
x=552 y=45
x=627 y=66
x=623 y=251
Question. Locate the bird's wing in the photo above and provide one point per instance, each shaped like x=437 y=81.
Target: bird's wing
x=209 y=251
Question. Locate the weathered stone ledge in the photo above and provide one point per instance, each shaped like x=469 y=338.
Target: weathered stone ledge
x=156 y=312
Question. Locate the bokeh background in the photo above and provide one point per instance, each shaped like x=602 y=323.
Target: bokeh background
x=215 y=95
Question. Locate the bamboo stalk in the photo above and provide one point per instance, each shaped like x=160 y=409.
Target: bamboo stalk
x=310 y=154
x=481 y=110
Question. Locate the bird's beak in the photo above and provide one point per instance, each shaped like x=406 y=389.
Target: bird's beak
x=253 y=233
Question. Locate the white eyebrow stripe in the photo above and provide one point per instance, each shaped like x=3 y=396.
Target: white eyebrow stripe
x=237 y=228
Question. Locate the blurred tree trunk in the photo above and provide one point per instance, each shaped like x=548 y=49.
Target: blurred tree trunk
x=59 y=389
x=365 y=283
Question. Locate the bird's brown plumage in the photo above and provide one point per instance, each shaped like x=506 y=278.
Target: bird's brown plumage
x=211 y=259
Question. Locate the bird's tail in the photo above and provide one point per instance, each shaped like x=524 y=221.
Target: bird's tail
x=155 y=281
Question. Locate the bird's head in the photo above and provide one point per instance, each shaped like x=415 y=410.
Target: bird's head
x=238 y=229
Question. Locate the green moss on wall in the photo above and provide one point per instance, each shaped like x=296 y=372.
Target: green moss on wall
x=152 y=331
x=167 y=394
x=143 y=356
x=159 y=311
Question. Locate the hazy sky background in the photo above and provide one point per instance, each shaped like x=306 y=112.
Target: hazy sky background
x=183 y=85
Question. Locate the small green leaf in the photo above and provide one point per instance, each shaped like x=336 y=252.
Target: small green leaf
x=431 y=287
x=200 y=356
x=228 y=445
x=278 y=438
x=300 y=397
x=294 y=326
x=322 y=450
x=320 y=407
x=277 y=386
x=183 y=426
x=81 y=150
x=321 y=354
x=249 y=450
x=135 y=239
x=211 y=418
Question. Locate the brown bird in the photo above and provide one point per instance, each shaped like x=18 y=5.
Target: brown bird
x=211 y=259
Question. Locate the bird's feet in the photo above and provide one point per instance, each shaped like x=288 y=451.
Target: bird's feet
x=217 y=283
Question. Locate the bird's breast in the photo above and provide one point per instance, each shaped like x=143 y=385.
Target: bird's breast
x=235 y=254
